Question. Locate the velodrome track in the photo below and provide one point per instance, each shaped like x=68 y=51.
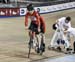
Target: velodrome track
x=14 y=38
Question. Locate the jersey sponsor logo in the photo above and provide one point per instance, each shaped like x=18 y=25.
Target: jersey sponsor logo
x=33 y=18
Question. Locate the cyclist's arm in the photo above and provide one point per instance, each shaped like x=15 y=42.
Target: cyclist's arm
x=38 y=20
x=26 y=19
x=44 y=25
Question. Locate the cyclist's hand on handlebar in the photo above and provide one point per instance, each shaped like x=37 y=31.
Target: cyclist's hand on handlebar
x=38 y=29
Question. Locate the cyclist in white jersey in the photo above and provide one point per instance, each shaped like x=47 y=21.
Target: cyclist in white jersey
x=61 y=24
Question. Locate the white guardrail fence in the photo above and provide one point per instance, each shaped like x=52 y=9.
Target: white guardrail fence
x=53 y=8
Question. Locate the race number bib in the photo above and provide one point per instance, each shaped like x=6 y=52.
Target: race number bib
x=33 y=18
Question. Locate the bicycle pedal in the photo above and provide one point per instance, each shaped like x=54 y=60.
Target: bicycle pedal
x=37 y=50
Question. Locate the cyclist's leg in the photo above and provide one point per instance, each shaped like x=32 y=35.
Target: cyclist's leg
x=38 y=40
x=30 y=39
x=34 y=39
x=70 y=32
x=37 y=44
x=53 y=42
x=32 y=29
x=43 y=37
x=30 y=35
x=66 y=43
x=43 y=41
x=58 y=41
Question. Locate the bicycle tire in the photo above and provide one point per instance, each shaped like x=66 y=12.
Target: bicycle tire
x=41 y=47
x=29 y=52
x=30 y=45
x=41 y=52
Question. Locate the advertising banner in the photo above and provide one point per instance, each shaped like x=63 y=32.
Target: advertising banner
x=43 y=9
x=13 y=12
x=3 y=12
x=9 y=12
x=58 y=7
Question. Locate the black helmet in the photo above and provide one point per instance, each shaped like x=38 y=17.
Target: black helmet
x=30 y=7
x=68 y=18
x=54 y=26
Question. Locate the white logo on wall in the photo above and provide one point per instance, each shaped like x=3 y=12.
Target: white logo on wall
x=22 y=11
x=2 y=13
x=14 y=13
x=6 y=11
x=10 y=11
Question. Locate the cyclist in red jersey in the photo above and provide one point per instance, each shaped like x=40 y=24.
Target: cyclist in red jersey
x=35 y=22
